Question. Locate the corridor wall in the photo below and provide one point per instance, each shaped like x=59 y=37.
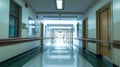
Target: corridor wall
x=91 y=15
x=116 y=30
x=7 y=52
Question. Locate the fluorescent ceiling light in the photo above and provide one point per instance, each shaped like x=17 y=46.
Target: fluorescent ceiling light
x=60 y=22
x=60 y=27
x=59 y=4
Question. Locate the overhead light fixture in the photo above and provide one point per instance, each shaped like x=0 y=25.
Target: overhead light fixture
x=59 y=4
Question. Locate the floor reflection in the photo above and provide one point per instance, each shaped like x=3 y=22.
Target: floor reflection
x=58 y=55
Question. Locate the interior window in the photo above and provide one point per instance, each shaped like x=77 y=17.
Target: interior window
x=31 y=27
x=14 y=19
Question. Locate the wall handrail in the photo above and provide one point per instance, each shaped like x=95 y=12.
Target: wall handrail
x=115 y=43
x=12 y=41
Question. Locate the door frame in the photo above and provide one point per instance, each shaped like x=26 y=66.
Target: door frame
x=42 y=33
x=98 y=26
x=85 y=32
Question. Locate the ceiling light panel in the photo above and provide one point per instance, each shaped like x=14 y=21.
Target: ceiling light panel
x=59 y=4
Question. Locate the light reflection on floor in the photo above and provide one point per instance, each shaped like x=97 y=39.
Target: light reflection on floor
x=59 y=55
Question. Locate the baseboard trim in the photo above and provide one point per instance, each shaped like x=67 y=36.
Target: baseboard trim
x=91 y=53
x=83 y=48
x=114 y=65
x=99 y=56
x=35 y=51
x=107 y=59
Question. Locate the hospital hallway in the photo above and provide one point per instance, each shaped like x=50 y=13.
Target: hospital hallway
x=59 y=33
x=60 y=53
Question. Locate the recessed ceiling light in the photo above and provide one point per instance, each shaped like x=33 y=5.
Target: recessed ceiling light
x=59 y=4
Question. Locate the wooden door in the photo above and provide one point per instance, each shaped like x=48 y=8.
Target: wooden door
x=78 y=30
x=105 y=32
x=85 y=32
x=42 y=33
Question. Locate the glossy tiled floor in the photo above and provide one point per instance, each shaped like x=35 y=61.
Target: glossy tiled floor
x=60 y=54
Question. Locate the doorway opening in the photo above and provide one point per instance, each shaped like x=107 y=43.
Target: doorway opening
x=104 y=32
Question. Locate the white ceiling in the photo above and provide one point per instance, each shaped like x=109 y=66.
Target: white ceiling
x=73 y=9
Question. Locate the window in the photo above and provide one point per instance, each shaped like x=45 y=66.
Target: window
x=31 y=27
x=14 y=19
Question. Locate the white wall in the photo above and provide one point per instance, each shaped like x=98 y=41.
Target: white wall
x=116 y=30
x=116 y=56
x=26 y=12
x=116 y=19
x=7 y=52
x=4 y=18
x=91 y=14
x=13 y=50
